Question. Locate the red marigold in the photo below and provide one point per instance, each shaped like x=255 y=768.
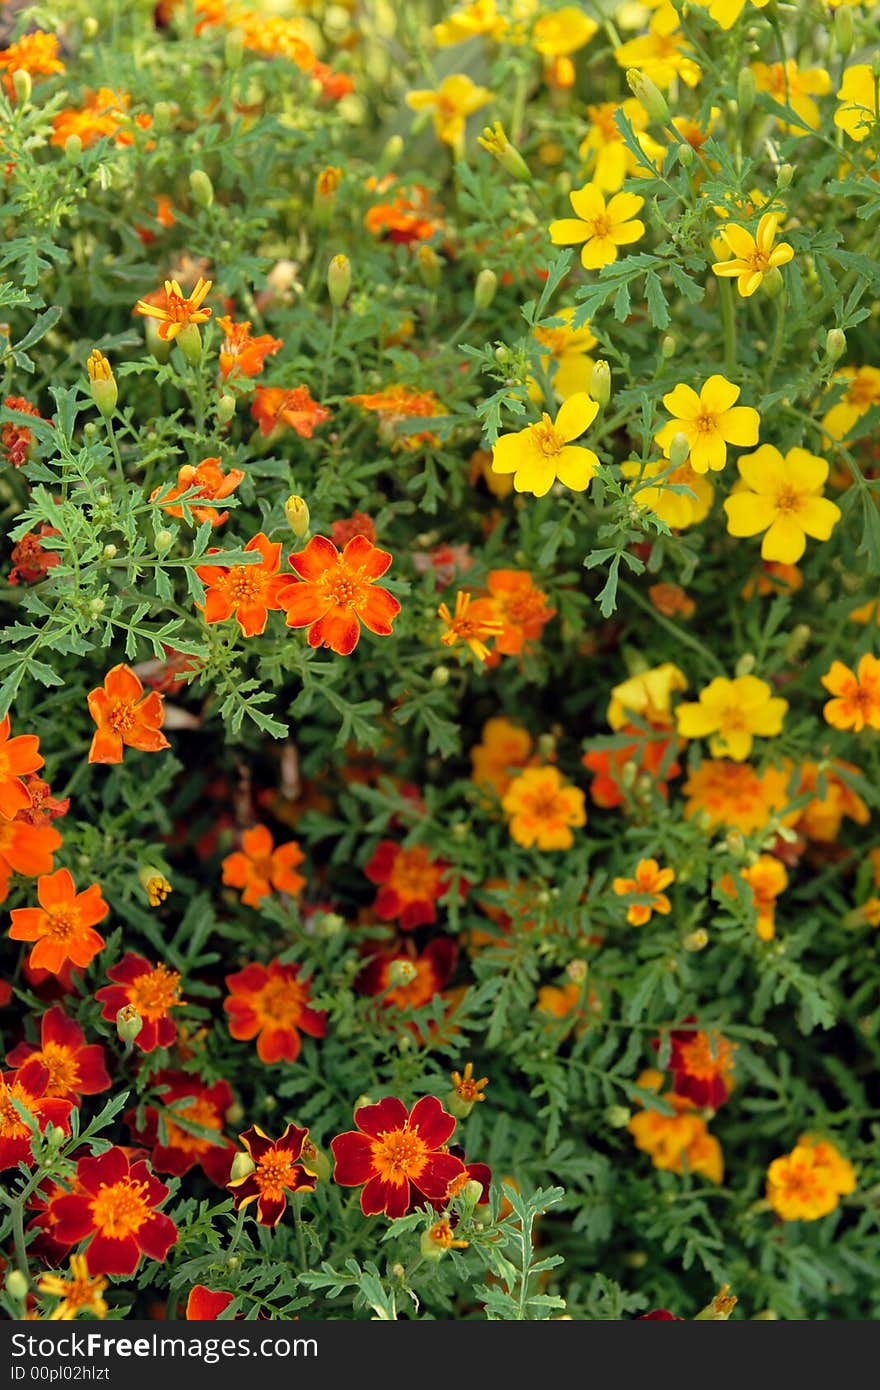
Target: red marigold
x=411 y=882
x=271 y=1004
x=125 y=717
x=358 y=524
x=153 y=990
x=29 y=1085
x=273 y=407
x=247 y=591
x=242 y=353
x=701 y=1063
x=17 y=441
x=397 y=1154
x=63 y=926
x=75 y=1068
x=430 y=971
x=31 y=561
x=258 y=866
x=276 y=1172
x=206 y=1305
x=18 y=757
x=44 y=806
x=186 y=1104
x=114 y=1209
x=336 y=591
x=647 y=752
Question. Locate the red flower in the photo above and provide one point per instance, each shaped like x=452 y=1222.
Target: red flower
x=659 y=1315
x=358 y=524
x=28 y=1086
x=206 y=1305
x=248 y=591
x=336 y=592
x=152 y=989
x=115 y=1210
x=276 y=1172
x=17 y=441
x=702 y=1065
x=75 y=1068
x=411 y=882
x=31 y=561
x=397 y=1155
x=272 y=1005
x=429 y=972
x=649 y=753
x=175 y=1147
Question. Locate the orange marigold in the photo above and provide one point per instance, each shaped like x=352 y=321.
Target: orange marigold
x=62 y=928
x=649 y=882
x=178 y=310
x=522 y=609
x=273 y=408
x=246 y=592
x=240 y=352
x=125 y=717
x=856 y=703
x=505 y=748
x=271 y=1003
x=542 y=808
x=205 y=480
x=259 y=866
x=334 y=593
x=36 y=53
x=473 y=622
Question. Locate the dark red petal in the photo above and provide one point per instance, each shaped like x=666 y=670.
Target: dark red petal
x=433 y=1123
x=353 y=1153
x=437 y=1174
x=378 y=1119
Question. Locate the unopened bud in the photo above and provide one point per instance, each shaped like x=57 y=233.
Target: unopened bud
x=600 y=382
x=618 y=1116
x=746 y=665
x=97 y=605
x=393 y=150
x=102 y=383
x=225 y=409
x=875 y=65
x=362 y=1101
x=163 y=117
x=668 y=347
x=843 y=31
x=297 y=512
x=128 y=1024
x=109 y=551
x=745 y=91
x=494 y=140
x=189 y=340
x=23 y=86
x=784 y=176
x=330 y=925
x=235 y=1113
x=440 y=676
x=401 y=972
x=577 y=971
x=164 y=539
x=430 y=266
x=73 y=148
x=649 y=94
x=800 y=636
x=201 y=188
x=338 y=280
x=440 y=1238
x=154 y=884
x=315 y=1162
x=54 y=1136
x=17 y=1285
x=484 y=288
x=90 y=27
x=721 y=1307
x=679 y=450
x=686 y=154
x=696 y=940
x=835 y=338
x=242 y=1167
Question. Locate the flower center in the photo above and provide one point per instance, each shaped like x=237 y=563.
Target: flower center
x=12 y=1126
x=155 y=992
x=545 y=438
x=788 y=500
x=199 y=1112
x=706 y=423
x=342 y=587
x=177 y=308
x=274 y=1173
x=399 y=1155
x=733 y=720
x=121 y=1210
x=413 y=874
x=699 y=1059
x=544 y=804
x=243 y=585
x=62 y=1066
x=63 y=922
x=121 y=716
x=601 y=225
x=281 y=1001
x=758 y=260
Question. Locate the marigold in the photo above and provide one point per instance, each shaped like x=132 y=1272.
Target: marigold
x=856 y=702
x=18 y=757
x=543 y=453
x=568 y=350
x=702 y=1065
x=542 y=808
x=671 y=600
x=247 y=592
x=276 y=1173
x=753 y=256
x=178 y=310
x=478 y=17
x=259 y=866
x=648 y=753
x=732 y=712
x=678 y=1142
x=62 y=927
x=271 y=1003
x=25 y=849
x=732 y=794
x=810 y=1181
x=206 y=1305
x=336 y=592
x=273 y=408
x=783 y=498
x=821 y=818
x=411 y=881
x=667 y=498
x=456 y=98
x=647 y=695
x=505 y=748
x=862 y=392
x=430 y=971
x=397 y=1154
x=114 y=1207
x=17 y=440
x=603 y=147
x=195 y=482
x=857 y=113
x=35 y=53
x=599 y=228
x=152 y=990
x=474 y=622
x=81 y=1293
x=795 y=87
x=727 y=12
x=709 y=422
x=242 y=354
x=29 y=1087
x=522 y=609
x=31 y=561
x=125 y=717
x=766 y=878
x=74 y=1067
x=177 y=1128
x=663 y=54
x=649 y=881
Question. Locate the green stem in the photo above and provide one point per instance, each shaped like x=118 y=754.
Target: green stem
x=114 y=445
x=728 y=322
x=300 y=1235
x=331 y=346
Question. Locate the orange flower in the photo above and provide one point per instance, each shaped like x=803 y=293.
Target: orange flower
x=104 y=114
x=809 y=1182
x=821 y=818
x=648 y=753
x=767 y=878
x=124 y=718
x=522 y=609
x=18 y=757
x=63 y=925
x=473 y=622
x=74 y=1068
x=272 y=1005
x=36 y=53
x=25 y=849
x=114 y=1206
x=649 y=881
x=202 y=480
x=31 y=561
x=335 y=592
x=18 y=440
x=505 y=746
x=242 y=353
x=671 y=600
x=407 y=979
x=679 y=1141
x=274 y=407
x=275 y=1173
x=542 y=809
x=856 y=704
x=258 y=867
x=178 y=311
x=397 y=404
x=408 y=217
x=733 y=794
x=410 y=882
x=702 y=1065
x=247 y=591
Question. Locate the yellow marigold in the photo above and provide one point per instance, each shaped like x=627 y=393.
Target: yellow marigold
x=795 y=87
x=857 y=113
x=543 y=454
x=726 y=12
x=709 y=422
x=602 y=148
x=753 y=256
x=600 y=226
x=732 y=794
x=663 y=54
x=649 y=882
x=567 y=347
x=480 y=17
x=562 y=32
x=451 y=103
x=647 y=695
x=677 y=1142
x=542 y=808
x=783 y=498
x=810 y=1181
x=767 y=878
x=862 y=392
x=474 y=622
x=505 y=748
x=81 y=1292
x=679 y=509
x=731 y=713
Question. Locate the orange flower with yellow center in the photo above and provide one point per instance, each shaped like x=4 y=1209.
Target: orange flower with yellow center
x=542 y=808
x=114 y=1207
x=336 y=592
x=469 y=1088
x=522 y=609
x=273 y=408
x=809 y=1182
x=18 y=757
x=246 y=592
x=74 y=1068
x=271 y=1003
x=35 y=53
x=856 y=703
x=649 y=882
x=410 y=882
x=200 y=483
x=27 y=1087
x=473 y=623
x=259 y=866
x=153 y=991
x=126 y=718
x=240 y=352
x=79 y=1293
x=179 y=310
x=62 y=927
x=505 y=748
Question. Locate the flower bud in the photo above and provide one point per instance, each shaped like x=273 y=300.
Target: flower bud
x=96 y=605
x=471 y=1192
x=430 y=266
x=686 y=154
x=163 y=539
x=457 y=1105
x=109 y=551
x=401 y=972
x=494 y=140
x=721 y=1307
x=484 y=288
x=363 y=1100
x=189 y=340
x=745 y=91
x=225 y=409
x=668 y=347
x=235 y=1114
x=393 y=150
x=600 y=382
x=54 y=1136
x=154 y=884
x=233 y=49
x=843 y=31
x=297 y=512
x=577 y=971
x=440 y=676
x=784 y=176
x=338 y=280
x=618 y=1116
x=73 y=148
x=326 y=185
x=242 y=1166
x=201 y=188
x=330 y=925
x=128 y=1024
x=23 y=86
x=773 y=283
x=17 y=1285
x=440 y=1238
x=90 y=27
x=696 y=940
x=315 y=1162
x=835 y=338
x=798 y=639
x=163 y=117
x=649 y=94
x=102 y=383
x=679 y=450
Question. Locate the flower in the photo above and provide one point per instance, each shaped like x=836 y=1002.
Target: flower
x=709 y=422
x=246 y=591
x=358 y=524
x=647 y=695
x=336 y=592
x=732 y=794
x=80 y=1293
x=600 y=226
x=152 y=990
x=478 y=17
x=456 y=98
x=25 y=849
x=271 y=1003
x=663 y=54
x=178 y=311
x=18 y=757
x=862 y=392
x=114 y=1208
x=567 y=348
x=429 y=971
x=274 y=407
x=727 y=12
x=649 y=881
x=671 y=600
x=396 y=406
x=35 y=53
x=810 y=1181
x=821 y=818
x=504 y=748
x=17 y=440
x=542 y=808
x=31 y=561
x=782 y=497
x=206 y=1305
x=259 y=866
x=104 y=114
x=732 y=712
x=648 y=754
x=677 y=1142
x=473 y=622
x=410 y=882
x=522 y=609
x=795 y=87
x=702 y=1065
x=29 y=1087
x=468 y=1089
x=410 y=216
x=767 y=878
x=242 y=354
x=397 y=1154
x=857 y=113
x=276 y=1172
x=202 y=480
x=62 y=927
x=604 y=148
x=176 y=1129
x=679 y=509
x=543 y=453
x=856 y=702
x=124 y=718
x=75 y=1069
x=562 y=32
x=754 y=255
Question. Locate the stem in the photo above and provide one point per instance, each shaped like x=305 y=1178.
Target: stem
x=300 y=1236
x=517 y=110
x=778 y=338
x=114 y=445
x=728 y=321
x=331 y=344
x=21 y=1257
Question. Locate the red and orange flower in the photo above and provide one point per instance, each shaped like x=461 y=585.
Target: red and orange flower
x=241 y=353
x=114 y=1208
x=246 y=591
x=336 y=592
x=276 y=1173
x=410 y=882
x=172 y=1132
x=271 y=1003
x=177 y=311
x=423 y=975
x=29 y=1087
x=398 y=1156
x=701 y=1063
x=126 y=718
x=62 y=928
x=75 y=1068
x=273 y=408
x=205 y=480
x=153 y=990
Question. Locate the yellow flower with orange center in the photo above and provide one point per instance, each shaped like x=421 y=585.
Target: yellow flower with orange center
x=752 y=255
x=681 y=497
x=80 y=1293
x=809 y=1182
x=542 y=809
x=856 y=702
x=456 y=98
x=857 y=112
x=479 y=17
x=599 y=228
x=608 y=158
x=649 y=882
x=731 y=713
x=766 y=878
x=862 y=392
x=474 y=622
x=179 y=310
x=709 y=422
x=647 y=695
x=567 y=347
x=543 y=454
x=562 y=32
x=732 y=794
x=783 y=497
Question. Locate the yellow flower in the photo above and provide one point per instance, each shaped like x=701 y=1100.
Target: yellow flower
x=810 y=1181
x=541 y=454
x=601 y=227
x=647 y=695
x=562 y=32
x=78 y=1292
x=858 y=94
x=754 y=255
x=473 y=622
x=603 y=148
x=802 y=86
x=727 y=12
x=709 y=422
x=542 y=808
x=649 y=881
x=455 y=99
x=663 y=54
x=862 y=392
x=481 y=17
x=678 y=509
x=731 y=713
x=569 y=366
x=783 y=498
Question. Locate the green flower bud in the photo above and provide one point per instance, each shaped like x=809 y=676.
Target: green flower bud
x=401 y=972
x=23 y=86
x=600 y=382
x=201 y=188
x=330 y=925
x=679 y=450
x=225 y=409
x=163 y=117
x=109 y=552
x=618 y=1116
x=339 y=280
x=745 y=91
x=17 y=1285
x=242 y=1167
x=315 y=1162
x=784 y=176
x=843 y=31
x=164 y=539
x=440 y=676
x=649 y=94
x=90 y=27
x=297 y=512
x=189 y=340
x=128 y=1024
x=686 y=155
x=484 y=288
x=696 y=940
x=773 y=284
x=668 y=347
x=73 y=148
x=430 y=266
x=835 y=341
x=233 y=49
